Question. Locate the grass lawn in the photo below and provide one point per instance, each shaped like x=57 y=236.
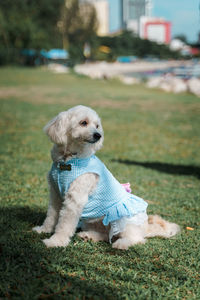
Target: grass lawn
x=151 y=140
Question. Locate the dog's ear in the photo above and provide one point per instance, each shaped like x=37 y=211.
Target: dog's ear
x=57 y=128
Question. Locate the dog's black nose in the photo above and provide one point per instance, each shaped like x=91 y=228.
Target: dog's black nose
x=96 y=136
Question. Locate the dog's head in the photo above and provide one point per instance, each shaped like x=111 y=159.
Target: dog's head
x=79 y=125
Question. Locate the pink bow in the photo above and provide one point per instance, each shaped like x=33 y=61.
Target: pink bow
x=127 y=186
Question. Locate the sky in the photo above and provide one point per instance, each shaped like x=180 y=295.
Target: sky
x=184 y=15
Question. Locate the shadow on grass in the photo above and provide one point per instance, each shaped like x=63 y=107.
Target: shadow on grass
x=29 y=270
x=175 y=169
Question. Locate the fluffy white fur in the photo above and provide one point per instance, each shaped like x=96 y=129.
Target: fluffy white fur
x=78 y=133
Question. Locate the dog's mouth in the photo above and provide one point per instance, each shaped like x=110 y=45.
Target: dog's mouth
x=95 y=138
x=91 y=141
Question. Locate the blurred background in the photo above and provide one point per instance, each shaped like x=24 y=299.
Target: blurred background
x=80 y=30
x=140 y=39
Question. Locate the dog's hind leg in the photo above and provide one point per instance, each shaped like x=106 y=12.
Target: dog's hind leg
x=131 y=236
x=157 y=226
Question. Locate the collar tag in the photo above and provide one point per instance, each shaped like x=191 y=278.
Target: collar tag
x=64 y=167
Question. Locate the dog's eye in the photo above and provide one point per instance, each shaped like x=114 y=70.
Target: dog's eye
x=84 y=123
x=97 y=126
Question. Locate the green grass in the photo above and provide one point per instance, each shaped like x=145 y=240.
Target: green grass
x=151 y=140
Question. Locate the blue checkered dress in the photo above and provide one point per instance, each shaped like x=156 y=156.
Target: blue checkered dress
x=109 y=200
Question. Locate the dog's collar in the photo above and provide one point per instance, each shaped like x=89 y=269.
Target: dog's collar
x=74 y=160
x=68 y=154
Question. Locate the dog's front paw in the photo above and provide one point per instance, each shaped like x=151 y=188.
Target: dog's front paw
x=93 y=236
x=56 y=241
x=40 y=229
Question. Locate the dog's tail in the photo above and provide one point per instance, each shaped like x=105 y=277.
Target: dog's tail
x=159 y=227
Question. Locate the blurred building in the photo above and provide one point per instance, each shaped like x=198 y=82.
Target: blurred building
x=116 y=15
x=135 y=15
x=155 y=29
x=185 y=50
x=102 y=11
x=132 y=11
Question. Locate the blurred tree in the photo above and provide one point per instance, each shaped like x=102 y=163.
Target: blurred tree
x=182 y=38
x=70 y=24
x=45 y=24
x=28 y=24
x=127 y=43
x=78 y=26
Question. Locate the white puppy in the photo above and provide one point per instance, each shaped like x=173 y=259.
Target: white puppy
x=84 y=193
